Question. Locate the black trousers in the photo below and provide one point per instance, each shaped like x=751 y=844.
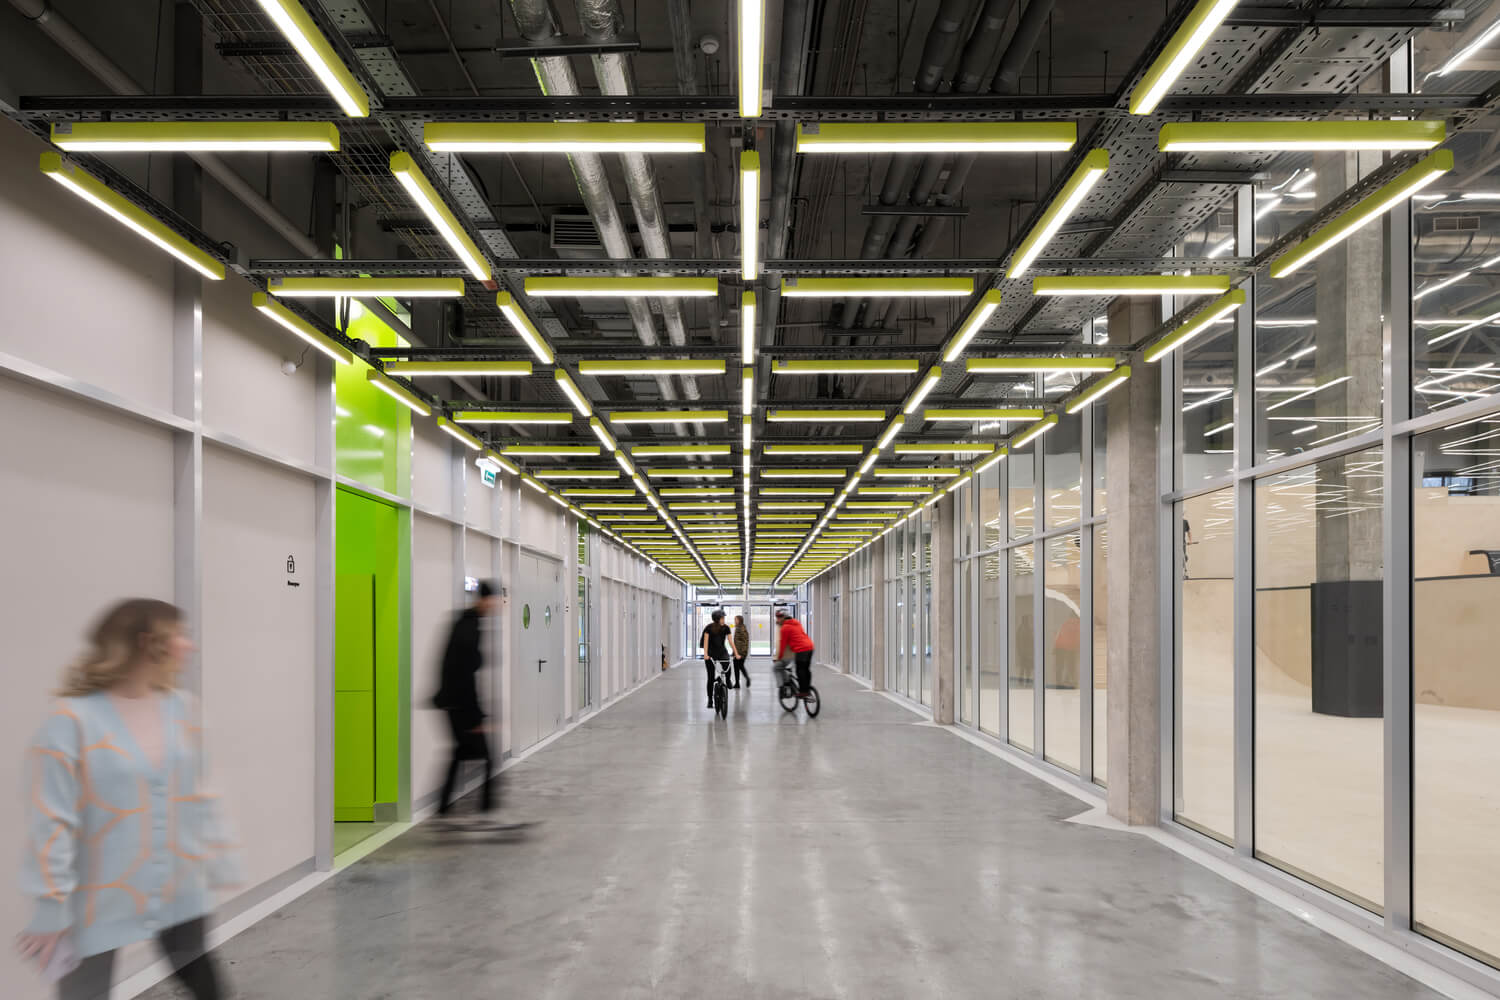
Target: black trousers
x=181 y=945
x=467 y=745
x=712 y=666
x=804 y=670
x=740 y=671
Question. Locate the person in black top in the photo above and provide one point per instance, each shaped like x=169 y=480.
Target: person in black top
x=458 y=695
x=715 y=645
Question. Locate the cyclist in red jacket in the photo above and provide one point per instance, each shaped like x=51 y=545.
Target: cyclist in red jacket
x=794 y=642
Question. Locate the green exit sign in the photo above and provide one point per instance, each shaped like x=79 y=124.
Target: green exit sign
x=488 y=475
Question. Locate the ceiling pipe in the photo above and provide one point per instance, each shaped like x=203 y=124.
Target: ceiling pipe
x=937 y=52
x=68 y=38
x=706 y=241
x=537 y=23
x=1007 y=81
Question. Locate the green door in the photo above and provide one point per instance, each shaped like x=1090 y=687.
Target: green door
x=354 y=698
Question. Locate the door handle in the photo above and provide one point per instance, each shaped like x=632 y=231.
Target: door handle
x=539 y=665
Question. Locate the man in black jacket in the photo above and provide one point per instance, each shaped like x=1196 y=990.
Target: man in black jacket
x=459 y=696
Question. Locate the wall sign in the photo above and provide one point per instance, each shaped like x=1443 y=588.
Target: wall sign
x=291 y=571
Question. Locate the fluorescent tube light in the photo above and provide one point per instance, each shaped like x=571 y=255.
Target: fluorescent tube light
x=1033 y=432
x=972 y=324
x=752 y=27
x=131 y=215
x=624 y=464
x=825 y=416
x=597 y=426
x=490 y=369
x=370 y=288
x=832 y=367
x=1365 y=211
x=579 y=474
x=1304 y=136
x=564 y=137
x=928 y=383
x=622 y=288
x=804 y=473
x=1466 y=53
x=196 y=137
x=421 y=191
x=681 y=449
x=747 y=387
x=1099 y=389
x=660 y=367
x=396 y=392
x=745 y=426
x=936 y=137
x=668 y=417
x=575 y=395
x=517 y=417
x=522 y=324
x=869 y=461
x=274 y=310
x=876 y=288
x=453 y=430
x=992 y=366
x=1131 y=284
x=1196 y=324
x=495 y=459
x=813 y=449
x=551 y=450
x=749 y=213
x=890 y=433
x=298 y=27
x=944 y=448
x=991 y=462
x=1194 y=33
x=968 y=415
x=1062 y=207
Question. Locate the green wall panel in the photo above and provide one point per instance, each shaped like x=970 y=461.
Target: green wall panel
x=372 y=432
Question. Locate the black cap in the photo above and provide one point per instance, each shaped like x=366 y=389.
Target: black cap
x=717 y=615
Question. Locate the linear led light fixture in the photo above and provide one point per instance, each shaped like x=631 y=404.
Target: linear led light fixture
x=929 y=382
x=877 y=288
x=972 y=324
x=1196 y=324
x=302 y=32
x=1105 y=385
x=651 y=367
x=549 y=450
x=622 y=288
x=579 y=474
x=1076 y=188
x=702 y=491
x=421 y=191
x=944 y=448
x=894 y=366
x=936 y=137
x=930 y=472
x=533 y=484
x=521 y=323
x=274 y=310
x=1436 y=286
x=1033 y=432
x=705 y=450
x=396 y=392
x=126 y=212
x=564 y=137
x=886 y=438
x=1006 y=366
x=196 y=137
x=864 y=467
x=957 y=483
x=751 y=40
x=1130 y=284
x=1364 y=211
x=992 y=461
x=575 y=395
x=492 y=369
x=749 y=214
x=453 y=430
x=494 y=457
x=777 y=505
x=1309 y=136
x=605 y=438
x=805 y=473
x=516 y=417
x=813 y=449
x=877 y=505
x=618 y=506
x=794 y=491
x=826 y=416
x=894 y=491
x=970 y=415
x=1192 y=35
x=747 y=390
x=747 y=328
x=602 y=491
x=688 y=472
x=668 y=417
x=1466 y=53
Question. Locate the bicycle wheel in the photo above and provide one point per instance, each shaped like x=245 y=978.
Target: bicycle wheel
x=721 y=700
x=812 y=703
x=788 y=695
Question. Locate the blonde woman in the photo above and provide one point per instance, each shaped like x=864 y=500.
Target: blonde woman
x=123 y=843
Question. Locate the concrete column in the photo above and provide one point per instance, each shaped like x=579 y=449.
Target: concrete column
x=1134 y=717
x=877 y=615
x=944 y=608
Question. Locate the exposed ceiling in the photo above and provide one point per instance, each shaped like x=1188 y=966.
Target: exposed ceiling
x=838 y=216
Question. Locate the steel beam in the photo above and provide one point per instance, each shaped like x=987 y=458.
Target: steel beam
x=1245 y=16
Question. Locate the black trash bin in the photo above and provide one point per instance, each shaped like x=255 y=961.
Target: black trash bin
x=1347 y=647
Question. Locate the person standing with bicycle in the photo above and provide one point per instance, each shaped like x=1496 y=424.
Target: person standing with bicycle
x=715 y=645
x=794 y=642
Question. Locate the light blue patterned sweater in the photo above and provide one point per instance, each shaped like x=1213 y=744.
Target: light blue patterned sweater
x=119 y=849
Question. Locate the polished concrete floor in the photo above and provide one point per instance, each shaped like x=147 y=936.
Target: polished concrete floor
x=862 y=854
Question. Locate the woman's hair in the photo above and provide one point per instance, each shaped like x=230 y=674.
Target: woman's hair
x=115 y=644
x=739 y=619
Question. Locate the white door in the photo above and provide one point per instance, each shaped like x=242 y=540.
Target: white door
x=524 y=680
x=552 y=649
